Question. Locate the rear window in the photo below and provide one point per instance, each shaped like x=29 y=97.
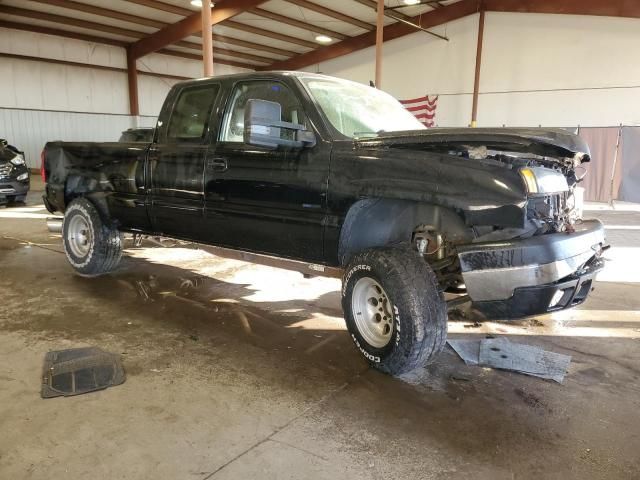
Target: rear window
x=190 y=117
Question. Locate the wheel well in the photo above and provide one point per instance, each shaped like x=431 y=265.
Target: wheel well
x=80 y=186
x=376 y=222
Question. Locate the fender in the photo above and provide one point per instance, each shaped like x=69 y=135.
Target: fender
x=376 y=222
x=82 y=186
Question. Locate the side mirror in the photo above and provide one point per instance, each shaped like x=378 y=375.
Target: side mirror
x=263 y=127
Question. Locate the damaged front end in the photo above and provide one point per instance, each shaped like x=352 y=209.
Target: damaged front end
x=550 y=262
x=526 y=257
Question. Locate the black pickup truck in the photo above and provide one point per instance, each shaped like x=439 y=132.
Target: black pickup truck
x=339 y=175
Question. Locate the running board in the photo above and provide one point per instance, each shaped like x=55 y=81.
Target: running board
x=307 y=269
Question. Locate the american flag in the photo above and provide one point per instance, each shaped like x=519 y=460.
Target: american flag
x=424 y=108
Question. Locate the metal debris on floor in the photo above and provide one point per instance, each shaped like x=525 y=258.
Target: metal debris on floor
x=506 y=355
x=80 y=370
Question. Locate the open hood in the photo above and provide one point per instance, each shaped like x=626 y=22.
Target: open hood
x=548 y=142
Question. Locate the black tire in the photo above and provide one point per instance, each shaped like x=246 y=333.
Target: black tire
x=419 y=309
x=103 y=243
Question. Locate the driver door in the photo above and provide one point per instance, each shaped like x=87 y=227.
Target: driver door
x=263 y=200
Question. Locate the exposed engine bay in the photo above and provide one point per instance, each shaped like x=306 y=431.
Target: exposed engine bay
x=551 y=206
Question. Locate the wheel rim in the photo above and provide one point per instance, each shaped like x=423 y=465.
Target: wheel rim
x=372 y=311
x=79 y=236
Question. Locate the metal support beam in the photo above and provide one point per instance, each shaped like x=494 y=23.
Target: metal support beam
x=476 y=80
x=222 y=61
x=224 y=10
x=454 y=11
x=72 y=22
x=297 y=23
x=165 y=7
x=119 y=43
x=62 y=33
x=327 y=12
x=430 y=19
x=400 y=17
x=102 y=12
x=132 y=78
x=91 y=66
x=379 y=41
x=268 y=33
x=207 y=40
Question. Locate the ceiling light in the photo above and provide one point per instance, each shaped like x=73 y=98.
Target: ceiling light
x=408 y=2
x=323 y=39
x=198 y=3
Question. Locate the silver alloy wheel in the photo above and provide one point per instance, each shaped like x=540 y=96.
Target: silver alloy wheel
x=79 y=236
x=372 y=311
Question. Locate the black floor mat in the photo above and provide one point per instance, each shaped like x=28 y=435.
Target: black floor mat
x=80 y=370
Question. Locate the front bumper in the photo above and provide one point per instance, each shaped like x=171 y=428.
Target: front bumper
x=517 y=278
x=10 y=187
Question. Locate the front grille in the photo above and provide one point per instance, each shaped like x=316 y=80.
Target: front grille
x=5 y=170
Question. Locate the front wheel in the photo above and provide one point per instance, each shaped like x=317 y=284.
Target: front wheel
x=395 y=313
x=92 y=247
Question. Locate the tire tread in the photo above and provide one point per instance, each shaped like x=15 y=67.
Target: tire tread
x=417 y=283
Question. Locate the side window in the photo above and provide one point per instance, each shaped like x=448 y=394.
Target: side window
x=190 y=117
x=233 y=122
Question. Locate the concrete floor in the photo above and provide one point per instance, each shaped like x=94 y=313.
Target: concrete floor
x=243 y=371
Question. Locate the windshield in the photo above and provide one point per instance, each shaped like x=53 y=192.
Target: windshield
x=356 y=110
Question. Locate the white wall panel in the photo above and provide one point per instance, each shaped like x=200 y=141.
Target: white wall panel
x=152 y=92
x=418 y=63
x=41 y=102
x=29 y=130
x=565 y=108
x=581 y=61
x=46 y=86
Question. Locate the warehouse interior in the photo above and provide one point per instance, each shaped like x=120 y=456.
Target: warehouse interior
x=243 y=370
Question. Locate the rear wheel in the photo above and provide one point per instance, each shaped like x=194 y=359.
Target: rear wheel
x=92 y=247
x=394 y=310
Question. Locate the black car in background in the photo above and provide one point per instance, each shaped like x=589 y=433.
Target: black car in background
x=15 y=178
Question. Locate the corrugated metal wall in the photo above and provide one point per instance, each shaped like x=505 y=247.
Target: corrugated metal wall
x=29 y=130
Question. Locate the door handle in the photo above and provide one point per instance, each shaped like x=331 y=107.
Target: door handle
x=218 y=164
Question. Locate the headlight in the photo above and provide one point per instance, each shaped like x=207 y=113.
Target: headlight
x=529 y=180
x=22 y=176
x=544 y=181
x=17 y=160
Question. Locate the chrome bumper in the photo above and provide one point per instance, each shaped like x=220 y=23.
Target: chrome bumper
x=493 y=271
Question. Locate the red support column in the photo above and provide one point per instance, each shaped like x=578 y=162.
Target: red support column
x=379 y=41
x=207 y=39
x=476 y=81
x=132 y=77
